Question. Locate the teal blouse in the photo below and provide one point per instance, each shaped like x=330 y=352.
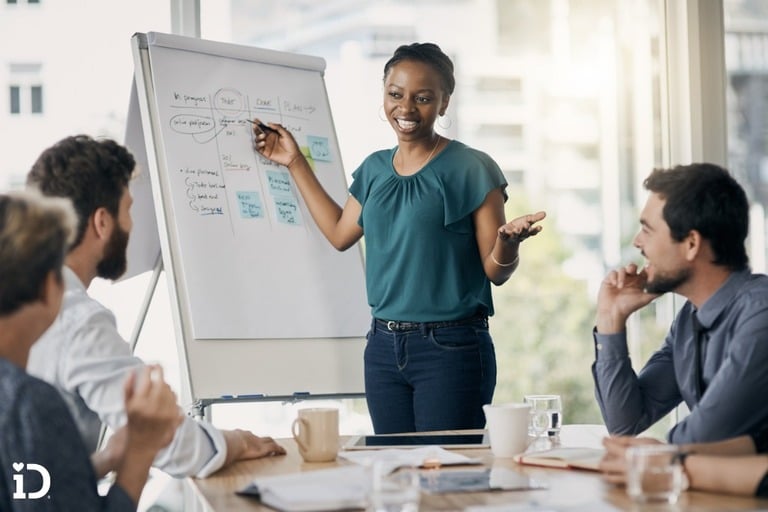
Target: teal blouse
x=422 y=259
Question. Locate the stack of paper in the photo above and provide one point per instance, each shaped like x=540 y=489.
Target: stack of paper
x=325 y=489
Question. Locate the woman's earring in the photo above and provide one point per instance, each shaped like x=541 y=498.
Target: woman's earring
x=381 y=113
x=445 y=125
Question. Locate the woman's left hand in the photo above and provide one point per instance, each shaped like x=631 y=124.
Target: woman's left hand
x=517 y=230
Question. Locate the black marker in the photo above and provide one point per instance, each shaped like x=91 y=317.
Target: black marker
x=264 y=127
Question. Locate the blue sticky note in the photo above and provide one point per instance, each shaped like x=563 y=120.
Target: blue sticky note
x=279 y=183
x=287 y=210
x=250 y=204
x=319 y=148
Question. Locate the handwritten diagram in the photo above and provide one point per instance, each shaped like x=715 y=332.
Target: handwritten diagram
x=204 y=190
x=241 y=184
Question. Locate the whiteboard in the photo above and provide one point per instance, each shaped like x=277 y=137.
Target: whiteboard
x=253 y=280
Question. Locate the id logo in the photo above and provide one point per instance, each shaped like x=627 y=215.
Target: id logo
x=18 y=479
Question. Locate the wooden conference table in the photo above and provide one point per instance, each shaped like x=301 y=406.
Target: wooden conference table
x=569 y=490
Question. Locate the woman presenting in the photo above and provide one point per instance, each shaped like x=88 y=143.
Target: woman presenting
x=432 y=211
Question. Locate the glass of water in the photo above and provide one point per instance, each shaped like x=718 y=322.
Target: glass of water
x=654 y=474
x=546 y=415
x=397 y=491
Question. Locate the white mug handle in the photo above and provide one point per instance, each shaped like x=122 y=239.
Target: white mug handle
x=297 y=434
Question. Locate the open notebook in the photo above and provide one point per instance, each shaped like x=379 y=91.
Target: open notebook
x=563 y=457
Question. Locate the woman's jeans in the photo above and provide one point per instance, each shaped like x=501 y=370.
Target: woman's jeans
x=429 y=378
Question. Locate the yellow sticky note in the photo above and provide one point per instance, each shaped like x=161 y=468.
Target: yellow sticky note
x=308 y=155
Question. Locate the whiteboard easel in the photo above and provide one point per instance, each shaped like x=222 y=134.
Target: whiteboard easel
x=317 y=352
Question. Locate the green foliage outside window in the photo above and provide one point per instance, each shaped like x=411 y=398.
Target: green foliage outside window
x=542 y=328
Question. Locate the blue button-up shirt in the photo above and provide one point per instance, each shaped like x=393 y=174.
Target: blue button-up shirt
x=735 y=369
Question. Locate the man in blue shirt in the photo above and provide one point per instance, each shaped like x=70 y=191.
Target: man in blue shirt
x=715 y=356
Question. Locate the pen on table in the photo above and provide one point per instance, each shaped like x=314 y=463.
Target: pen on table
x=264 y=127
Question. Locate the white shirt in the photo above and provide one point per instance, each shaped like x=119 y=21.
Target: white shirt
x=87 y=360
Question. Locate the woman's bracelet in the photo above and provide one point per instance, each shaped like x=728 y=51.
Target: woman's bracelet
x=511 y=263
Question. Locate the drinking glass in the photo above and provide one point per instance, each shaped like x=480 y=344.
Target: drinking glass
x=654 y=474
x=546 y=415
x=397 y=491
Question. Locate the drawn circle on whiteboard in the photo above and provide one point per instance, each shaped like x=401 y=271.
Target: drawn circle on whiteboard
x=229 y=102
x=191 y=124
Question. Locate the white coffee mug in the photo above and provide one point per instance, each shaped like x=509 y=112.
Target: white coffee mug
x=507 y=428
x=316 y=432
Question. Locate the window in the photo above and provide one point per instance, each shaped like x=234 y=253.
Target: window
x=561 y=94
x=32 y=110
x=26 y=89
x=15 y=99
x=570 y=91
x=26 y=99
x=746 y=62
x=28 y=1
x=37 y=99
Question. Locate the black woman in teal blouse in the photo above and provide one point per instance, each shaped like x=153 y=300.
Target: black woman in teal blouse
x=432 y=211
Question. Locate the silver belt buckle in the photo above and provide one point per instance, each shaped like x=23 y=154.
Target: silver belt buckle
x=391 y=325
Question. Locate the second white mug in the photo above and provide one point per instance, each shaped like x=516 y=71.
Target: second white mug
x=507 y=428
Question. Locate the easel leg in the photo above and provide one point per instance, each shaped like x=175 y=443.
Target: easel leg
x=142 y=316
x=139 y=324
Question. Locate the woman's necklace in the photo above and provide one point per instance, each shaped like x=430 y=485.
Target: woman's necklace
x=429 y=157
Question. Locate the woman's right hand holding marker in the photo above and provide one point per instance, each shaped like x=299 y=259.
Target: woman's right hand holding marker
x=275 y=143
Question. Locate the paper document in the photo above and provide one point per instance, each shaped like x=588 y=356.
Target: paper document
x=325 y=489
x=393 y=458
x=513 y=507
